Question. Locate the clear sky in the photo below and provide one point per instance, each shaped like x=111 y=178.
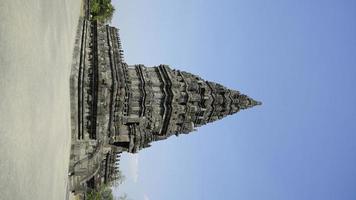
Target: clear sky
x=296 y=56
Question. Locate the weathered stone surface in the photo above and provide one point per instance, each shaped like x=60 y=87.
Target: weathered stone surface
x=127 y=107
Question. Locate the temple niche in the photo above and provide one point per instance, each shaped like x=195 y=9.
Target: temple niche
x=118 y=107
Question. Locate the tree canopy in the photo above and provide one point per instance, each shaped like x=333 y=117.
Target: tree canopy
x=103 y=193
x=102 y=10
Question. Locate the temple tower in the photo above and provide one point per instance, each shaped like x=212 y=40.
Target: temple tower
x=160 y=102
x=116 y=107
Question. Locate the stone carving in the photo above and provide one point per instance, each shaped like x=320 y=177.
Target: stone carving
x=118 y=107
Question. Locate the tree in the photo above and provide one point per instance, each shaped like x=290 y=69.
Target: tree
x=103 y=193
x=102 y=10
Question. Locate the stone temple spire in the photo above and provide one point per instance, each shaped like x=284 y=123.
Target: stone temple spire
x=215 y=102
x=241 y=101
x=119 y=108
x=161 y=102
x=135 y=105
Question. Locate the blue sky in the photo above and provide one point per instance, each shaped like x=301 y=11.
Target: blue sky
x=297 y=57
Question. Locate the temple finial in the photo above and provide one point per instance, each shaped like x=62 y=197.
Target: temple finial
x=255 y=103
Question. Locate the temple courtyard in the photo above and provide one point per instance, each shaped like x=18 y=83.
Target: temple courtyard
x=36 y=45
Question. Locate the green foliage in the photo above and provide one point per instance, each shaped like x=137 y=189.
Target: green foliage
x=102 y=10
x=103 y=193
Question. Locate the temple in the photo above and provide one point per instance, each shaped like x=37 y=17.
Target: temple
x=118 y=107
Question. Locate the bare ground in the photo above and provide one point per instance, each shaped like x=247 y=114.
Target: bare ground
x=36 y=44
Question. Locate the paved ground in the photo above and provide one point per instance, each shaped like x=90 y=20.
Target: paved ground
x=36 y=43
